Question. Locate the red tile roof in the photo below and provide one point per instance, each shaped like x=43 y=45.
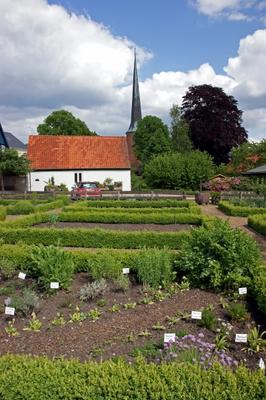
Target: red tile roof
x=78 y=152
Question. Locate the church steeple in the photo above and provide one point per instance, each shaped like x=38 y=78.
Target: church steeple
x=136 y=107
x=3 y=141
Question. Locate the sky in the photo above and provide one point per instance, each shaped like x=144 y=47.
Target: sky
x=78 y=55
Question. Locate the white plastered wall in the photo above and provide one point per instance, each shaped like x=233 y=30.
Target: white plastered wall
x=37 y=179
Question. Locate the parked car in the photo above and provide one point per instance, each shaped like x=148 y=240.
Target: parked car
x=85 y=189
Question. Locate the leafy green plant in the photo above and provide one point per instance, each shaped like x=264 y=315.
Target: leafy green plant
x=7 y=268
x=77 y=316
x=121 y=282
x=21 y=207
x=208 y=318
x=221 y=341
x=27 y=302
x=144 y=333
x=52 y=264
x=172 y=320
x=154 y=267
x=114 y=308
x=92 y=290
x=34 y=324
x=158 y=327
x=94 y=314
x=256 y=340
x=237 y=312
x=10 y=329
x=147 y=300
x=129 y=306
x=149 y=350
x=184 y=284
x=53 y=219
x=101 y=303
x=59 y=320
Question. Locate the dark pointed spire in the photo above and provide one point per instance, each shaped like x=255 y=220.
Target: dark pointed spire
x=136 y=107
x=3 y=141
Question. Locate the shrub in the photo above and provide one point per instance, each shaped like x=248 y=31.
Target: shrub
x=2 y=213
x=258 y=223
x=21 y=207
x=237 y=312
x=154 y=267
x=105 y=266
x=240 y=211
x=122 y=282
x=218 y=257
x=27 y=302
x=52 y=264
x=92 y=290
x=208 y=318
x=7 y=267
x=134 y=203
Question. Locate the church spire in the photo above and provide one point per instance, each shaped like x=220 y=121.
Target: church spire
x=136 y=107
x=3 y=141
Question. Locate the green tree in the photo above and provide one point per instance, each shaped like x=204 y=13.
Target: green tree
x=63 y=122
x=179 y=131
x=247 y=156
x=151 y=138
x=179 y=171
x=12 y=163
x=215 y=122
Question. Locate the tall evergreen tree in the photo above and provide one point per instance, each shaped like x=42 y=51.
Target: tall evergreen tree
x=179 y=131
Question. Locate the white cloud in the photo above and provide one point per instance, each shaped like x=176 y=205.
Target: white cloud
x=232 y=10
x=51 y=59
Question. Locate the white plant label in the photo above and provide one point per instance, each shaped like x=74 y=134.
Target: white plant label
x=261 y=364
x=9 y=311
x=169 y=337
x=196 y=315
x=21 y=275
x=125 y=271
x=242 y=290
x=241 y=338
x=54 y=285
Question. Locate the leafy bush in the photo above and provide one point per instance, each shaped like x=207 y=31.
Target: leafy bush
x=218 y=257
x=21 y=207
x=133 y=203
x=105 y=266
x=208 y=318
x=192 y=209
x=154 y=267
x=56 y=379
x=7 y=267
x=92 y=290
x=122 y=282
x=2 y=213
x=52 y=264
x=52 y=205
x=25 y=303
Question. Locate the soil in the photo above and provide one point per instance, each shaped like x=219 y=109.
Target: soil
x=111 y=334
x=119 y=227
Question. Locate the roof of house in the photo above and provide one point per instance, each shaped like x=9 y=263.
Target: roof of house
x=14 y=142
x=256 y=171
x=47 y=152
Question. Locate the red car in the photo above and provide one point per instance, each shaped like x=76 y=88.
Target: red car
x=84 y=190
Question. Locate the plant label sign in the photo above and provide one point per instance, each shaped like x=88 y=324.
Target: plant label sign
x=169 y=337
x=261 y=364
x=9 y=311
x=196 y=315
x=54 y=285
x=21 y=275
x=125 y=271
x=242 y=290
x=241 y=338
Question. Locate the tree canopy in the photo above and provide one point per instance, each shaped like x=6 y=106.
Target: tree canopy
x=179 y=131
x=63 y=122
x=247 y=156
x=215 y=122
x=151 y=138
x=12 y=163
x=179 y=171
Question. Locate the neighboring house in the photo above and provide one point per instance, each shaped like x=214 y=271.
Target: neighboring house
x=15 y=143
x=259 y=173
x=71 y=159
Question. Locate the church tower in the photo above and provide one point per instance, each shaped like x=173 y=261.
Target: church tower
x=135 y=116
x=3 y=141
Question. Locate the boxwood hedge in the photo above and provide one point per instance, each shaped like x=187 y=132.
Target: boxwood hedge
x=134 y=203
x=240 y=211
x=258 y=223
x=26 y=378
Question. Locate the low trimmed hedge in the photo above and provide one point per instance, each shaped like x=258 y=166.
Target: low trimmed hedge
x=2 y=213
x=130 y=218
x=239 y=211
x=177 y=210
x=258 y=223
x=134 y=203
x=93 y=238
x=35 y=378
x=25 y=207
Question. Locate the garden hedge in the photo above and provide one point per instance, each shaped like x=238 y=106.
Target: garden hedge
x=2 y=213
x=24 y=207
x=28 y=378
x=93 y=238
x=194 y=209
x=258 y=223
x=134 y=203
x=130 y=218
x=239 y=211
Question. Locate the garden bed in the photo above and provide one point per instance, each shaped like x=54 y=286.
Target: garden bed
x=126 y=327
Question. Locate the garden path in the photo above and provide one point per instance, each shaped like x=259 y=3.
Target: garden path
x=236 y=222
